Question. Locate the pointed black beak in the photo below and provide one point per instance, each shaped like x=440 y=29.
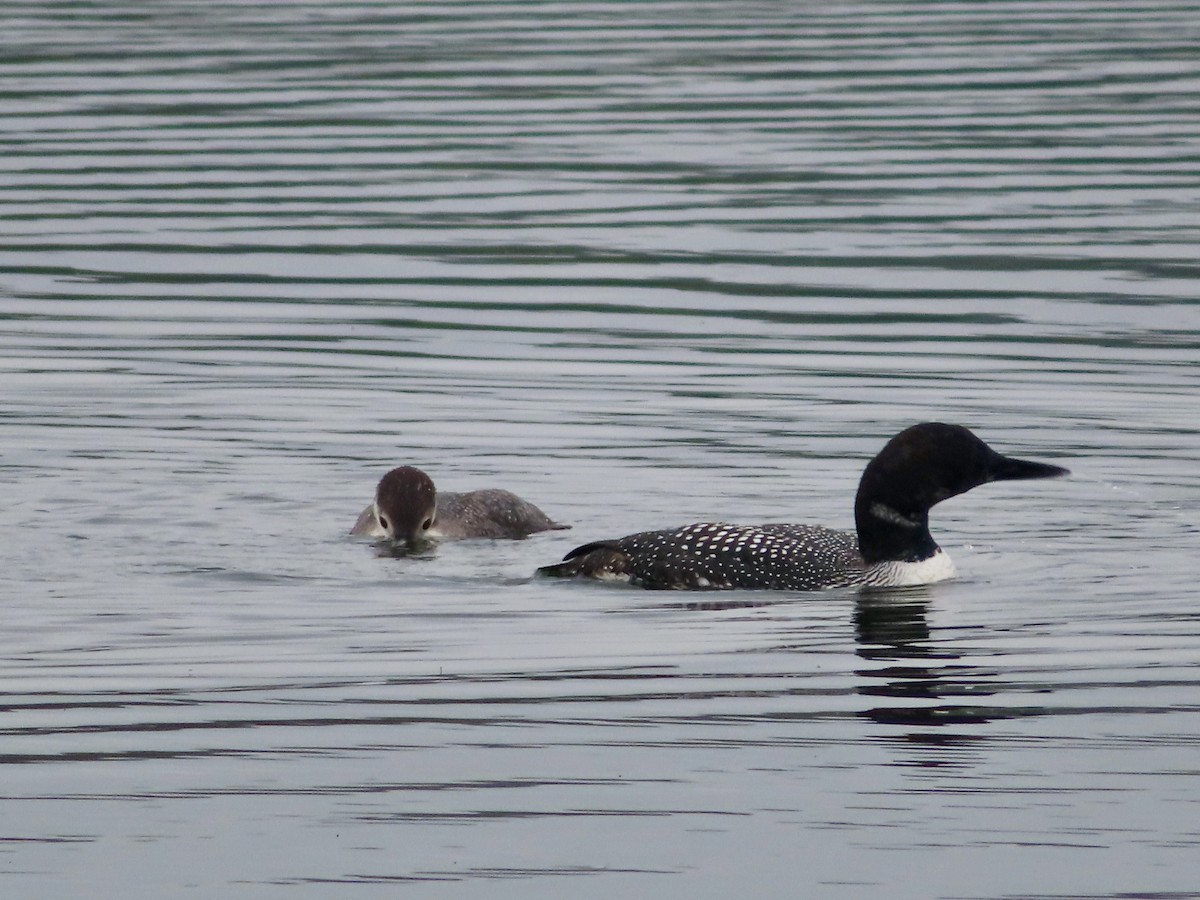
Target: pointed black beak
x=1005 y=468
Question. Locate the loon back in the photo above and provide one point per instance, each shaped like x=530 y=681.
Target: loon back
x=918 y=468
x=716 y=555
x=489 y=513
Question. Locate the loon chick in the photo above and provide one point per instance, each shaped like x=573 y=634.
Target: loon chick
x=919 y=467
x=409 y=509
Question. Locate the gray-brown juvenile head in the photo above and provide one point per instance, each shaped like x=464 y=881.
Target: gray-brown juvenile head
x=405 y=504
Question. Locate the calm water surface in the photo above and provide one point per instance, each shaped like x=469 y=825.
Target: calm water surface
x=643 y=263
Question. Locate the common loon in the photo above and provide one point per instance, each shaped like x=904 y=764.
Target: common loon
x=919 y=467
x=409 y=509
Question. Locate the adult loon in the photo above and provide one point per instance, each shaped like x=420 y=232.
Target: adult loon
x=919 y=467
x=409 y=509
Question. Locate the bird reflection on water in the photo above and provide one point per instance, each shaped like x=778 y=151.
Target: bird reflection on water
x=893 y=626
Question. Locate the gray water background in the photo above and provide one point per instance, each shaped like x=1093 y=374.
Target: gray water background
x=644 y=263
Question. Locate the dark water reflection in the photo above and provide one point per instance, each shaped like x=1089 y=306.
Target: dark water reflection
x=935 y=687
x=893 y=624
x=644 y=264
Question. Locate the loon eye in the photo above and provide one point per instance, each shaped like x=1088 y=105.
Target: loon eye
x=383 y=522
x=426 y=524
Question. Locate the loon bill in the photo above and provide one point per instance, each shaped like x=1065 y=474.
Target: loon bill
x=918 y=468
x=408 y=509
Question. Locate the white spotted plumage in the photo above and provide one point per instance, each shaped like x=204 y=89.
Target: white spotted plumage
x=717 y=555
x=891 y=547
x=720 y=555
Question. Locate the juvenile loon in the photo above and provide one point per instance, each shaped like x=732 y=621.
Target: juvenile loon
x=409 y=509
x=919 y=467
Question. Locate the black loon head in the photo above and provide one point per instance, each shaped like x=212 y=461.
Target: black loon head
x=406 y=504
x=921 y=466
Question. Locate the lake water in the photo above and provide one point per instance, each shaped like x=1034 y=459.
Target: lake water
x=643 y=263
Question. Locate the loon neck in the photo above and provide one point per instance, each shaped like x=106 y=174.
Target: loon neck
x=917 y=469
x=885 y=534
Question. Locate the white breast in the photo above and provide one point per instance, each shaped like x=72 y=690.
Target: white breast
x=938 y=567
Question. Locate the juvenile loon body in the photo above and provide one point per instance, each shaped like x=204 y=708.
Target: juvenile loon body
x=409 y=509
x=919 y=467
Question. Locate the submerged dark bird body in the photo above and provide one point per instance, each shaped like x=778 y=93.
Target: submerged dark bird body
x=892 y=546
x=409 y=509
